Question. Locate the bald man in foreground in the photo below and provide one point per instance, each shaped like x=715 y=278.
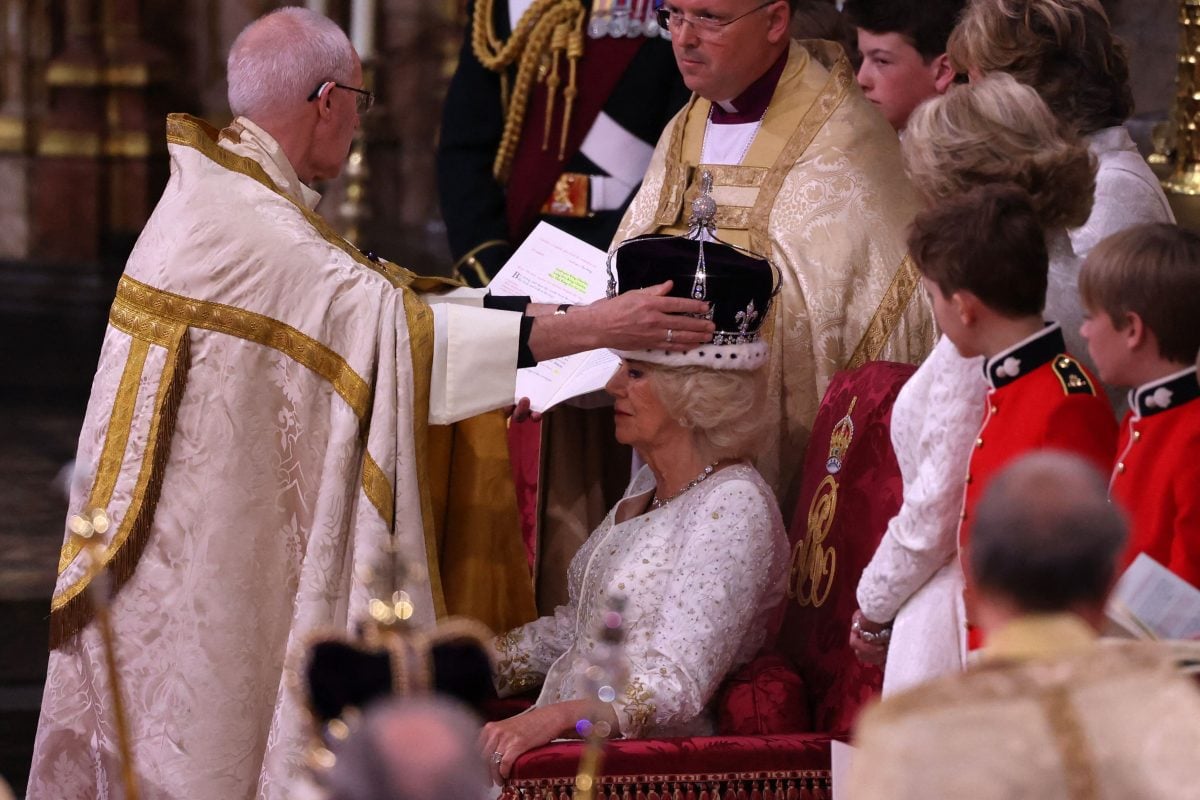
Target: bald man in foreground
x=1049 y=711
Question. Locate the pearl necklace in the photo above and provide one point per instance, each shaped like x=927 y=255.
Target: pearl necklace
x=655 y=502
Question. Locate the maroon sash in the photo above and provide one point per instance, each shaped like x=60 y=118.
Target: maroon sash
x=534 y=171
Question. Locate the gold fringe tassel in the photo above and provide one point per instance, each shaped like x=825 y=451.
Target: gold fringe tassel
x=798 y=785
x=76 y=613
x=546 y=30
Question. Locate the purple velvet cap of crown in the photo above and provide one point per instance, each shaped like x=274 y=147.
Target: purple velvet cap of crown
x=737 y=285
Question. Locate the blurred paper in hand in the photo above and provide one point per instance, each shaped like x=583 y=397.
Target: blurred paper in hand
x=1151 y=602
x=554 y=267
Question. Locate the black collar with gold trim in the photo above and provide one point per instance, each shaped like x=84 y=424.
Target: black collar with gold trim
x=1170 y=392
x=1025 y=356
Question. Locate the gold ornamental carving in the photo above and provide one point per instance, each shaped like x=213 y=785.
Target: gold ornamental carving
x=57 y=143
x=12 y=134
x=814 y=564
x=77 y=75
x=1185 y=178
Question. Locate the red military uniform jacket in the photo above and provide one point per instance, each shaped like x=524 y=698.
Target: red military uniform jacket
x=1156 y=478
x=1040 y=399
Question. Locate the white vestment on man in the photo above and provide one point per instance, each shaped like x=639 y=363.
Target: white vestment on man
x=255 y=434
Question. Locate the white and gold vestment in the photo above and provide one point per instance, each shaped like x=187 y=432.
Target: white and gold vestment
x=256 y=433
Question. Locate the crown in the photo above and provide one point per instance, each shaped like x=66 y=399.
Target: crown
x=737 y=284
x=839 y=440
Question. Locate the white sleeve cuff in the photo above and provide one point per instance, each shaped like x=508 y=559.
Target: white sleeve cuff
x=474 y=361
x=463 y=295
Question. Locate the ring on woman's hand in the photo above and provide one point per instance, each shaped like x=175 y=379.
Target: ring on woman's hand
x=670 y=335
x=497 y=757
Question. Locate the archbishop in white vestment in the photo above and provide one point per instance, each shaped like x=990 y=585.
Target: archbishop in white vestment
x=255 y=435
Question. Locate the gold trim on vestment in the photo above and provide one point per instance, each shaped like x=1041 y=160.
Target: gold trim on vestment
x=734 y=175
x=841 y=76
x=116 y=439
x=72 y=609
x=189 y=131
x=145 y=306
x=675 y=171
x=887 y=314
x=159 y=317
x=420 y=339
x=378 y=489
x=1079 y=767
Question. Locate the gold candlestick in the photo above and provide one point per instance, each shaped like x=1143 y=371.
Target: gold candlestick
x=1185 y=178
x=1183 y=184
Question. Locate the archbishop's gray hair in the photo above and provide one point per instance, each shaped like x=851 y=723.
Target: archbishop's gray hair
x=279 y=59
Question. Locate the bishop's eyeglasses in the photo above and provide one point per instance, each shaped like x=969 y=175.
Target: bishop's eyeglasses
x=363 y=100
x=672 y=19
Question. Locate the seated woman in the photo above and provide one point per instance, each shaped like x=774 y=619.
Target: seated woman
x=696 y=546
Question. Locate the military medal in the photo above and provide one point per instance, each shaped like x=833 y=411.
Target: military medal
x=598 y=24
x=619 y=25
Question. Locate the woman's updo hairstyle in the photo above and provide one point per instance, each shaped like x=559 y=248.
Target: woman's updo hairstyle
x=998 y=130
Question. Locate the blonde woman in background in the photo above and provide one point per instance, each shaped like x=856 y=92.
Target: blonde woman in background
x=994 y=130
x=1066 y=51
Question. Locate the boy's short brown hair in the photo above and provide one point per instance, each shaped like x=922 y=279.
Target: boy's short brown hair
x=987 y=241
x=1152 y=270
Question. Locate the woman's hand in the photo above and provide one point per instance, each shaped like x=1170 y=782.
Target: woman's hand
x=521 y=412
x=503 y=742
x=874 y=651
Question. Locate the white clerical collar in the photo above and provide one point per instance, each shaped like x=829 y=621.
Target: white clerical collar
x=254 y=142
x=727 y=106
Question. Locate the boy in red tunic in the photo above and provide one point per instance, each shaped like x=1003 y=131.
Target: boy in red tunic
x=1141 y=297
x=983 y=261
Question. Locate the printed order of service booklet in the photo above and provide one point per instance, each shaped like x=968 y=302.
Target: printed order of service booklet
x=1151 y=602
x=554 y=267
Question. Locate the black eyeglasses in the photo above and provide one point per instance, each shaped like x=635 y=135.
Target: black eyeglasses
x=705 y=26
x=363 y=100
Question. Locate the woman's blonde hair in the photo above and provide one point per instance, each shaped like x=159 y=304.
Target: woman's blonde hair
x=998 y=130
x=722 y=407
x=1062 y=48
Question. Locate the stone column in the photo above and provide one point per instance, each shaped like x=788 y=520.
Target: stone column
x=67 y=217
x=14 y=129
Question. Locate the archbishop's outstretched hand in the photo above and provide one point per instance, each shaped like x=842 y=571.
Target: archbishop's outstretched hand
x=638 y=320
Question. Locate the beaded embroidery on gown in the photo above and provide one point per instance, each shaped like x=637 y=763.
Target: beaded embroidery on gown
x=702 y=576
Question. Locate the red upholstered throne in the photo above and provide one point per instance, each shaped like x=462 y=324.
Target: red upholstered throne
x=777 y=729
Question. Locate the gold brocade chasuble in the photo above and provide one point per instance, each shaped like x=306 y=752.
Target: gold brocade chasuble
x=821 y=192
x=257 y=434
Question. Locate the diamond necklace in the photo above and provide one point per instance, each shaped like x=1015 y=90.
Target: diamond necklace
x=655 y=502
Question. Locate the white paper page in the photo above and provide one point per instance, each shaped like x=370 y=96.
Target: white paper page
x=554 y=267
x=840 y=757
x=593 y=372
x=1159 y=601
